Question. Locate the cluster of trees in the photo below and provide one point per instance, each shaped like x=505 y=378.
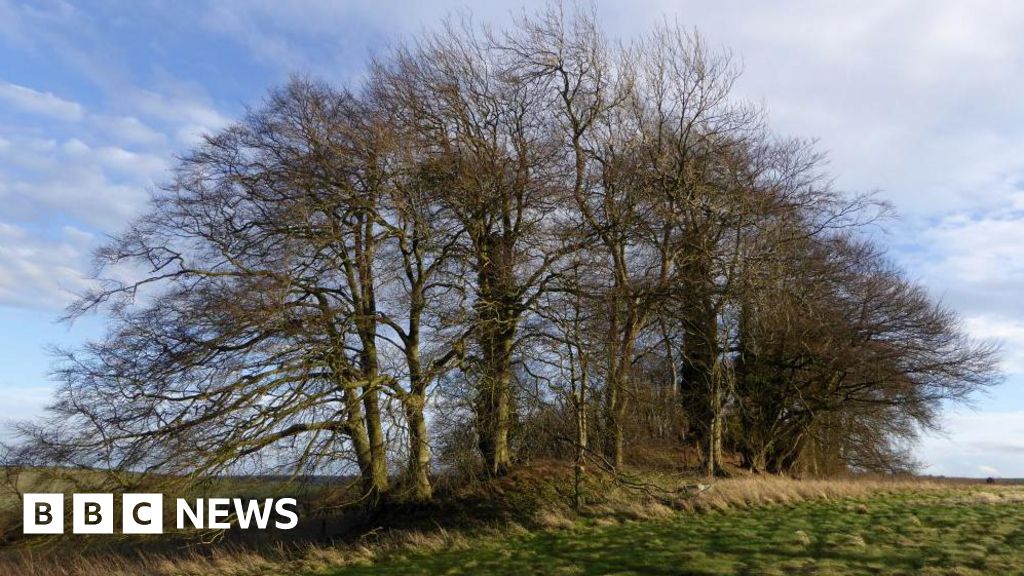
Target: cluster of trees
x=498 y=245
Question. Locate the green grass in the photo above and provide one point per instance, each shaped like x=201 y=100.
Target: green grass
x=946 y=532
x=749 y=525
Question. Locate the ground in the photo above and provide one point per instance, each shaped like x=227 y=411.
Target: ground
x=944 y=532
x=663 y=524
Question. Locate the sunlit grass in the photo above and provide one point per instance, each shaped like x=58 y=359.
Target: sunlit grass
x=940 y=532
x=749 y=525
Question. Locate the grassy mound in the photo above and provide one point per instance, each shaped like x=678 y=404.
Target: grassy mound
x=526 y=521
x=907 y=531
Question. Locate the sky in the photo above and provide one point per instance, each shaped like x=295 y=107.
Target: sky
x=918 y=100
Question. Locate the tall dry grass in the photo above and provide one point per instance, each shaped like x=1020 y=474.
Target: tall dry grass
x=761 y=490
x=228 y=560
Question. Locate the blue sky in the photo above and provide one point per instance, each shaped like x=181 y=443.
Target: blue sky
x=919 y=100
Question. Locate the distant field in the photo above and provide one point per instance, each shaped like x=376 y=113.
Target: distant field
x=947 y=532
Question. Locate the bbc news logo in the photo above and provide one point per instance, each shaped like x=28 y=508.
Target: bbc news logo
x=144 y=513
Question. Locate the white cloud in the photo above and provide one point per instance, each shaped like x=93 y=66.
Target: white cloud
x=43 y=103
x=101 y=186
x=988 y=470
x=21 y=403
x=977 y=443
x=75 y=147
x=184 y=107
x=40 y=273
x=975 y=263
x=144 y=166
x=130 y=130
x=983 y=250
x=63 y=184
x=10 y=232
x=78 y=237
x=912 y=98
x=1008 y=331
x=95 y=173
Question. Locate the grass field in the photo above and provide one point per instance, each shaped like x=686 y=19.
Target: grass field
x=750 y=525
x=929 y=532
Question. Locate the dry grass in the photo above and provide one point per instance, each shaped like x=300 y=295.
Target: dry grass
x=761 y=490
x=552 y=519
x=666 y=494
x=231 y=561
x=801 y=538
x=234 y=561
x=991 y=495
x=540 y=491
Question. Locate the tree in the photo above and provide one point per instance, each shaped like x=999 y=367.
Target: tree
x=846 y=361
x=256 y=324
x=568 y=226
x=492 y=164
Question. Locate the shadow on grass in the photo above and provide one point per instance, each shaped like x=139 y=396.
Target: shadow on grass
x=890 y=536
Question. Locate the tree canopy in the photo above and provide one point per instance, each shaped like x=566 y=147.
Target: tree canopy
x=501 y=244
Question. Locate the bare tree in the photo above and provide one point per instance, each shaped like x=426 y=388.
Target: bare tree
x=532 y=227
x=493 y=162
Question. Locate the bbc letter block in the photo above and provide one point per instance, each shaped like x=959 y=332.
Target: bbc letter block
x=43 y=514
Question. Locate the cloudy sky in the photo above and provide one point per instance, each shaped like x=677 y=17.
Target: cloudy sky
x=919 y=100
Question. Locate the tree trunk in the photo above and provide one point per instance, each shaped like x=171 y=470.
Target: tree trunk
x=702 y=379
x=581 y=433
x=497 y=317
x=616 y=405
x=622 y=333
x=613 y=407
x=419 y=448
x=366 y=325
x=714 y=460
x=378 y=467
x=355 y=426
x=415 y=402
x=375 y=435
x=494 y=403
